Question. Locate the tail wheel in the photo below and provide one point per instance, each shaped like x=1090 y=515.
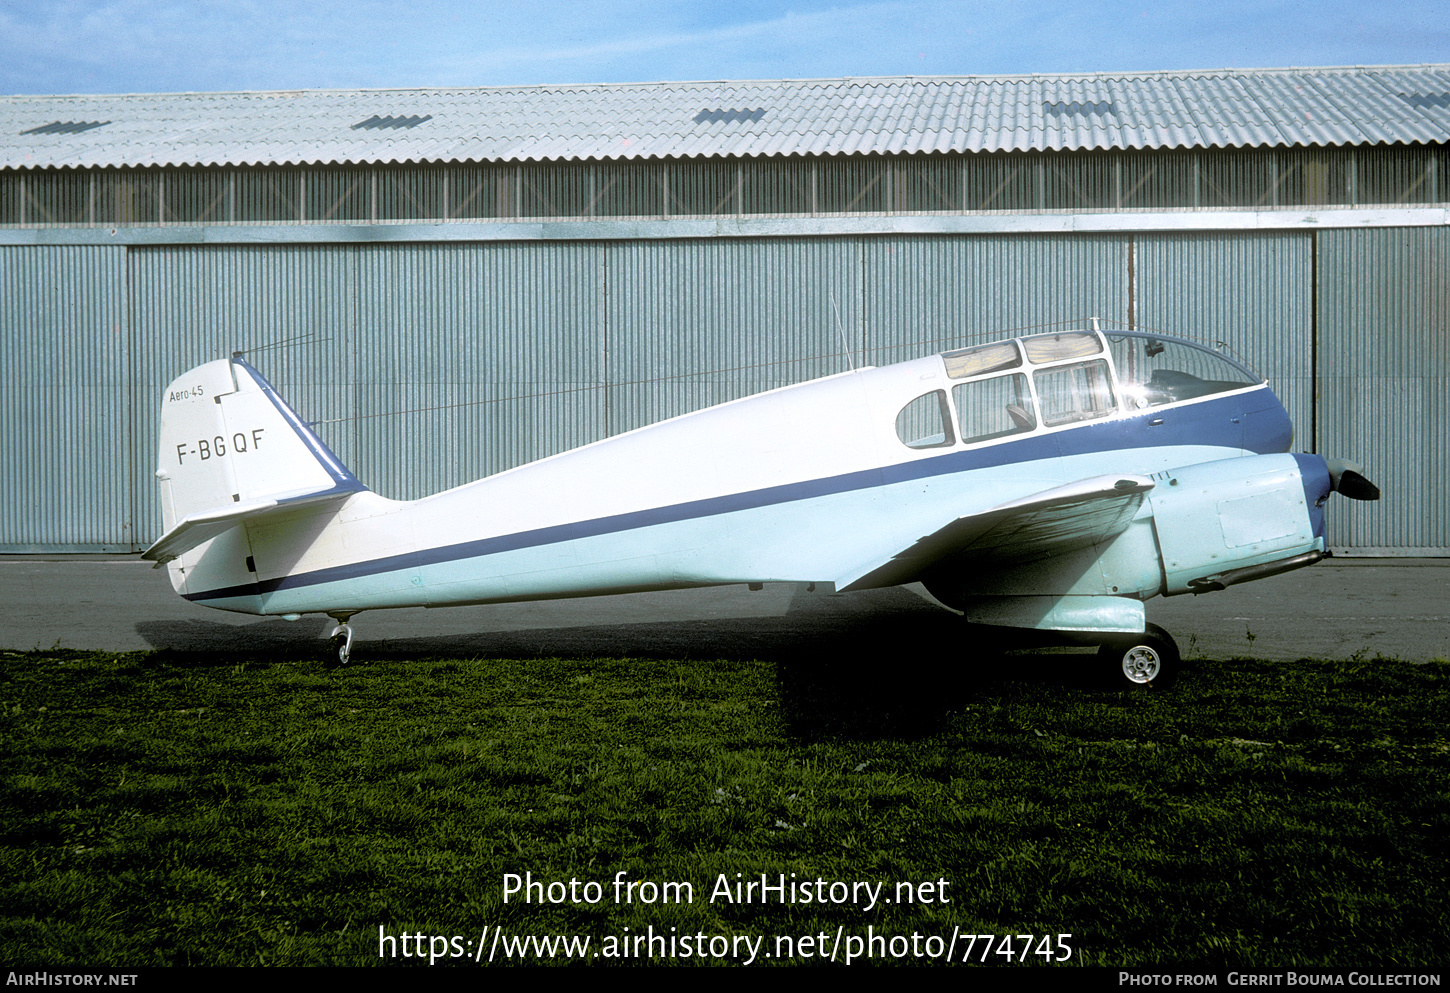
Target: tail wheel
x=339 y=644
x=1147 y=659
x=339 y=650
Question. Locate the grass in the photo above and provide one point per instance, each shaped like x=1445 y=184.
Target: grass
x=162 y=809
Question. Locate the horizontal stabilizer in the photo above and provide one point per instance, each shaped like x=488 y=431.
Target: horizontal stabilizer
x=205 y=525
x=1051 y=522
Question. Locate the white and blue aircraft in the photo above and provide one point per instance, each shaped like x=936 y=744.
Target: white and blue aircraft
x=1053 y=482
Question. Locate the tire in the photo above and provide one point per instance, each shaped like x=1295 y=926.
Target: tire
x=337 y=653
x=1148 y=660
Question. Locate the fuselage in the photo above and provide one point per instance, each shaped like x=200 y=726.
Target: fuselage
x=805 y=483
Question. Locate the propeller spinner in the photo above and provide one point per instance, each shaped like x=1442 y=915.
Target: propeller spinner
x=1348 y=478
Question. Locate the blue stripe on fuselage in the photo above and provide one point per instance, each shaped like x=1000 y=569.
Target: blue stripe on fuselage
x=1215 y=422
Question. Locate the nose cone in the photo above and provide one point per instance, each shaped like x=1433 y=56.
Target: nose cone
x=1348 y=479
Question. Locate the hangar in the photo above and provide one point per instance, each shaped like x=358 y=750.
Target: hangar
x=451 y=282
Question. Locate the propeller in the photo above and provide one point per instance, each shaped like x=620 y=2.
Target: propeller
x=1348 y=478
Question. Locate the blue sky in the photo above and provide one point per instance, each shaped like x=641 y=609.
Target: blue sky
x=129 y=46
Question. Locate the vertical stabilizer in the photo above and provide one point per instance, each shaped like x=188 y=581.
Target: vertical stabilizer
x=231 y=448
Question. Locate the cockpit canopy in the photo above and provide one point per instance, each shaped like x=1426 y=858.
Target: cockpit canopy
x=1049 y=380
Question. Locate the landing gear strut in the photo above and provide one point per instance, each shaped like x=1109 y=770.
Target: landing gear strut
x=339 y=643
x=1147 y=659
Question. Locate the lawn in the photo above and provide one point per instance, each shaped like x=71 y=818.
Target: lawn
x=165 y=809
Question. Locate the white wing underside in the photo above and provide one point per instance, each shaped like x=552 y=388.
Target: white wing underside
x=1052 y=522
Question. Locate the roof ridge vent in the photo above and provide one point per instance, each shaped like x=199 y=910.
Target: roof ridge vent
x=1426 y=99
x=1102 y=108
x=731 y=116
x=375 y=122
x=67 y=127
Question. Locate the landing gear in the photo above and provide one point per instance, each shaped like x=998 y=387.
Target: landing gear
x=1147 y=659
x=339 y=643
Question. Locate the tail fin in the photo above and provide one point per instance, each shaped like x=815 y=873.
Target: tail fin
x=232 y=449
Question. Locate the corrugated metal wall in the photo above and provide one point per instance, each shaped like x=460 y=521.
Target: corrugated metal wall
x=498 y=347
x=753 y=315
x=1384 y=375
x=503 y=353
x=1251 y=290
x=64 y=477
x=930 y=294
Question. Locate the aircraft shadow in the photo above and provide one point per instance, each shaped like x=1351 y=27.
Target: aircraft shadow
x=879 y=663
x=813 y=624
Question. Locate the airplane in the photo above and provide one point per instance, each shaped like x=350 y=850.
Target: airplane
x=1049 y=483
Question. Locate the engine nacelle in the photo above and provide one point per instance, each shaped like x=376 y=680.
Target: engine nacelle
x=1221 y=523
x=1201 y=528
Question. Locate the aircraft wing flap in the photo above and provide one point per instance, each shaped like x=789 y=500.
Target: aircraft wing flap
x=1051 y=522
x=207 y=524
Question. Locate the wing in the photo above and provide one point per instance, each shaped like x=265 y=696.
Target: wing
x=1052 y=522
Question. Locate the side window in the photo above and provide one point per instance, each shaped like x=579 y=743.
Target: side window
x=1066 y=345
x=1079 y=392
x=994 y=408
x=979 y=361
x=926 y=422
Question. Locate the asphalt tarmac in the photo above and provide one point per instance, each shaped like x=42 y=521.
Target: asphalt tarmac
x=1339 y=609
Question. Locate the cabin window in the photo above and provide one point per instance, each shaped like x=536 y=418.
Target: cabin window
x=983 y=359
x=1082 y=391
x=1155 y=371
x=926 y=422
x=994 y=408
x=1055 y=347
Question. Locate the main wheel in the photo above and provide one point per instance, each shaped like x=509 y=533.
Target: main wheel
x=1147 y=659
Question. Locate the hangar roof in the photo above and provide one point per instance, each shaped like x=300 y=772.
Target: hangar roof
x=1219 y=108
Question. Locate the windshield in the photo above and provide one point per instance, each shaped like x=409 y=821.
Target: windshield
x=1154 y=371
